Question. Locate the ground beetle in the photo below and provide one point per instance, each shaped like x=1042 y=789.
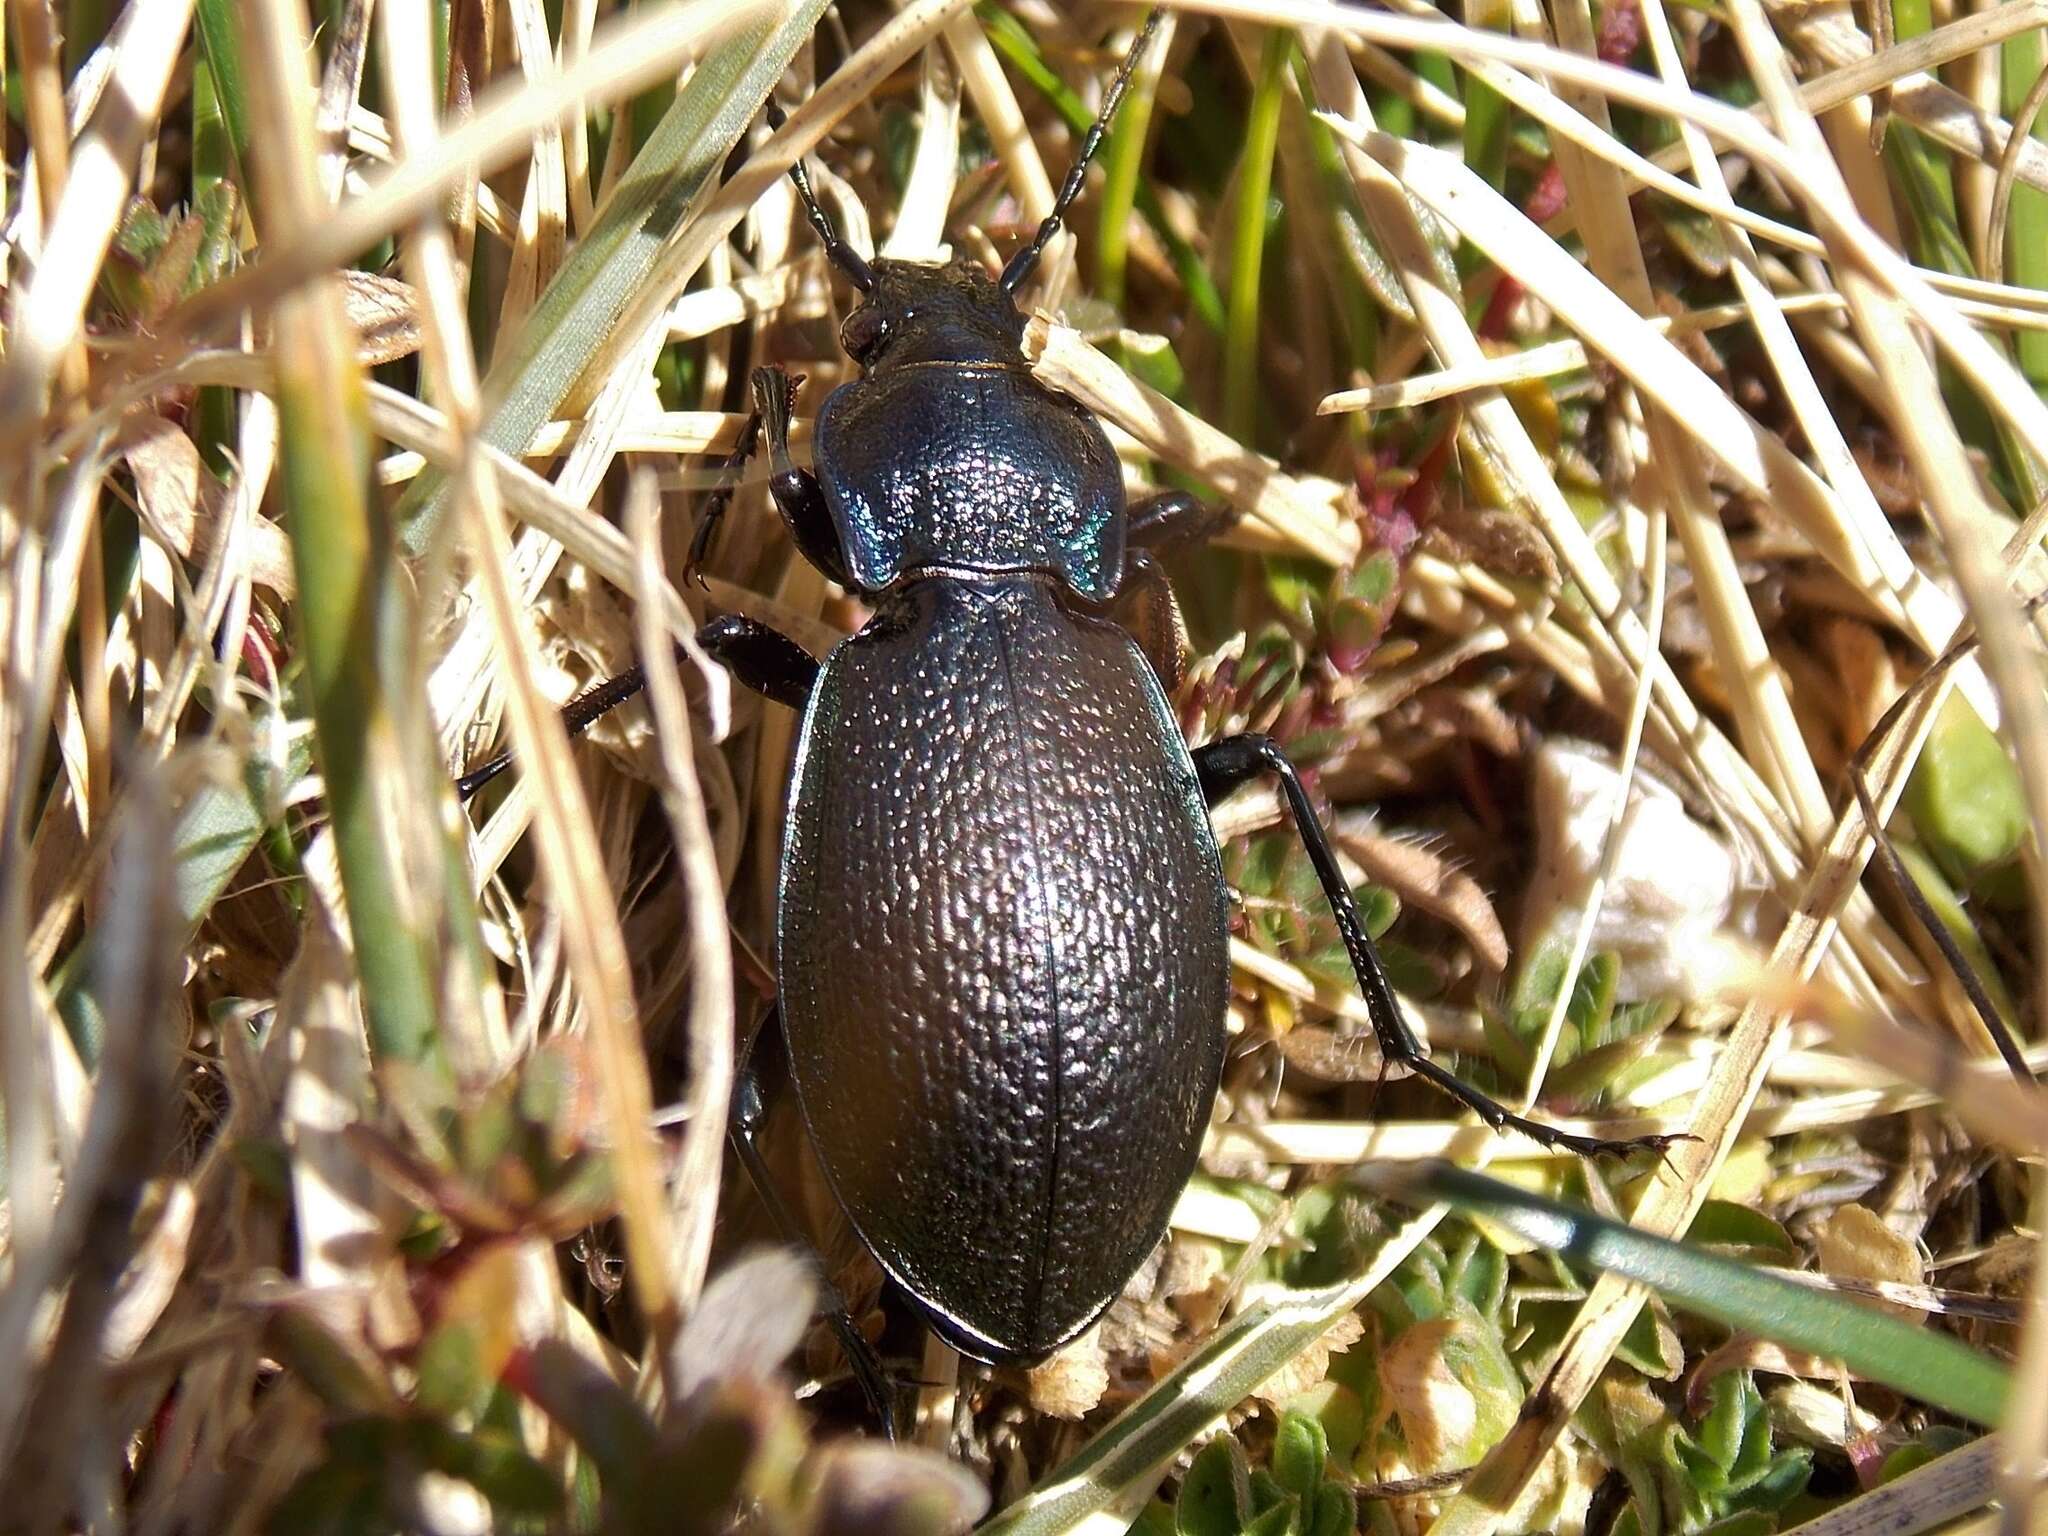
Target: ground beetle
x=1002 y=933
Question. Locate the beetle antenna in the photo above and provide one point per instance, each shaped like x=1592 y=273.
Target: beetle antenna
x=1019 y=266
x=837 y=251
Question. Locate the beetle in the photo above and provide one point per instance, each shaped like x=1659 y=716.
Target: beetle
x=1002 y=921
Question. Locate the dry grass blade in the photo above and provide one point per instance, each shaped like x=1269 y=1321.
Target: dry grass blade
x=712 y=1024
x=46 y=313
x=1301 y=511
x=53 y=1402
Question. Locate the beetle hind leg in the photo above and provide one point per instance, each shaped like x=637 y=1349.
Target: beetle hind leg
x=749 y=1112
x=1224 y=765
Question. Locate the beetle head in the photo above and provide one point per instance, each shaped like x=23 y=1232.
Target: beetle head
x=918 y=313
x=956 y=313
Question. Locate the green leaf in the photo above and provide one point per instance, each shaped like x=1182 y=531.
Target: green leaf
x=1267 y=1494
x=1300 y=1450
x=1931 y=1444
x=1333 y=1224
x=450 y=1369
x=1724 y=1224
x=1778 y=1483
x=1479 y=1273
x=1964 y=794
x=1215 y=1496
x=493 y=1462
x=1651 y=1344
x=1702 y=1475
x=1720 y=1433
x=1747 y=1523
x=1333 y=1511
x=1337 y=1409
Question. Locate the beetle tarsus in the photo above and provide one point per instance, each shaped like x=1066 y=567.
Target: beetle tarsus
x=1224 y=765
x=763 y=659
x=578 y=715
x=730 y=469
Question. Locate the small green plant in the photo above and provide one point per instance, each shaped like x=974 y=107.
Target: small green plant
x=1222 y=1495
x=1722 y=1475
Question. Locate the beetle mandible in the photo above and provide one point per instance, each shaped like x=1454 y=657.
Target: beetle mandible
x=1002 y=922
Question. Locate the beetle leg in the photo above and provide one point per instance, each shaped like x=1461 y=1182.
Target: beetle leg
x=1222 y=766
x=1175 y=520
x=763 y=659
x=713 y=513
x=1144 y=607
x=749 y=1112
x=798 y=496
x=578 y=715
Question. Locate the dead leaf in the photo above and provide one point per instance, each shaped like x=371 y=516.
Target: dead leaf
x=1422 y=877
x=1856 y=1243
x=385 y=314
x=1312 y=1364
x=188 y=507
x=1505 y=543
x=1071 y=1383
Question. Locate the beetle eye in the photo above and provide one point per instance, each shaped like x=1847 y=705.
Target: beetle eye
x=863 y=331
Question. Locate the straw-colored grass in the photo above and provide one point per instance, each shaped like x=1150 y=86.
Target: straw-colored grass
x=365 y=374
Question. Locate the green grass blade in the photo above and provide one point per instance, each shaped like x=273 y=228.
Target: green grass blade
x=1250 y=226
x=1123 y=163
x=604 y=271
x=220 y=48
x=1486 y=110
x=1927 y=1366
x=2020 y=62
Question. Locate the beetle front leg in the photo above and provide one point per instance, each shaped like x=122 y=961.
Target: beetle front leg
x=749 y=1114
x=1145 y=608
x=578 y=716
x=798 y=496
x=1224 y=765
